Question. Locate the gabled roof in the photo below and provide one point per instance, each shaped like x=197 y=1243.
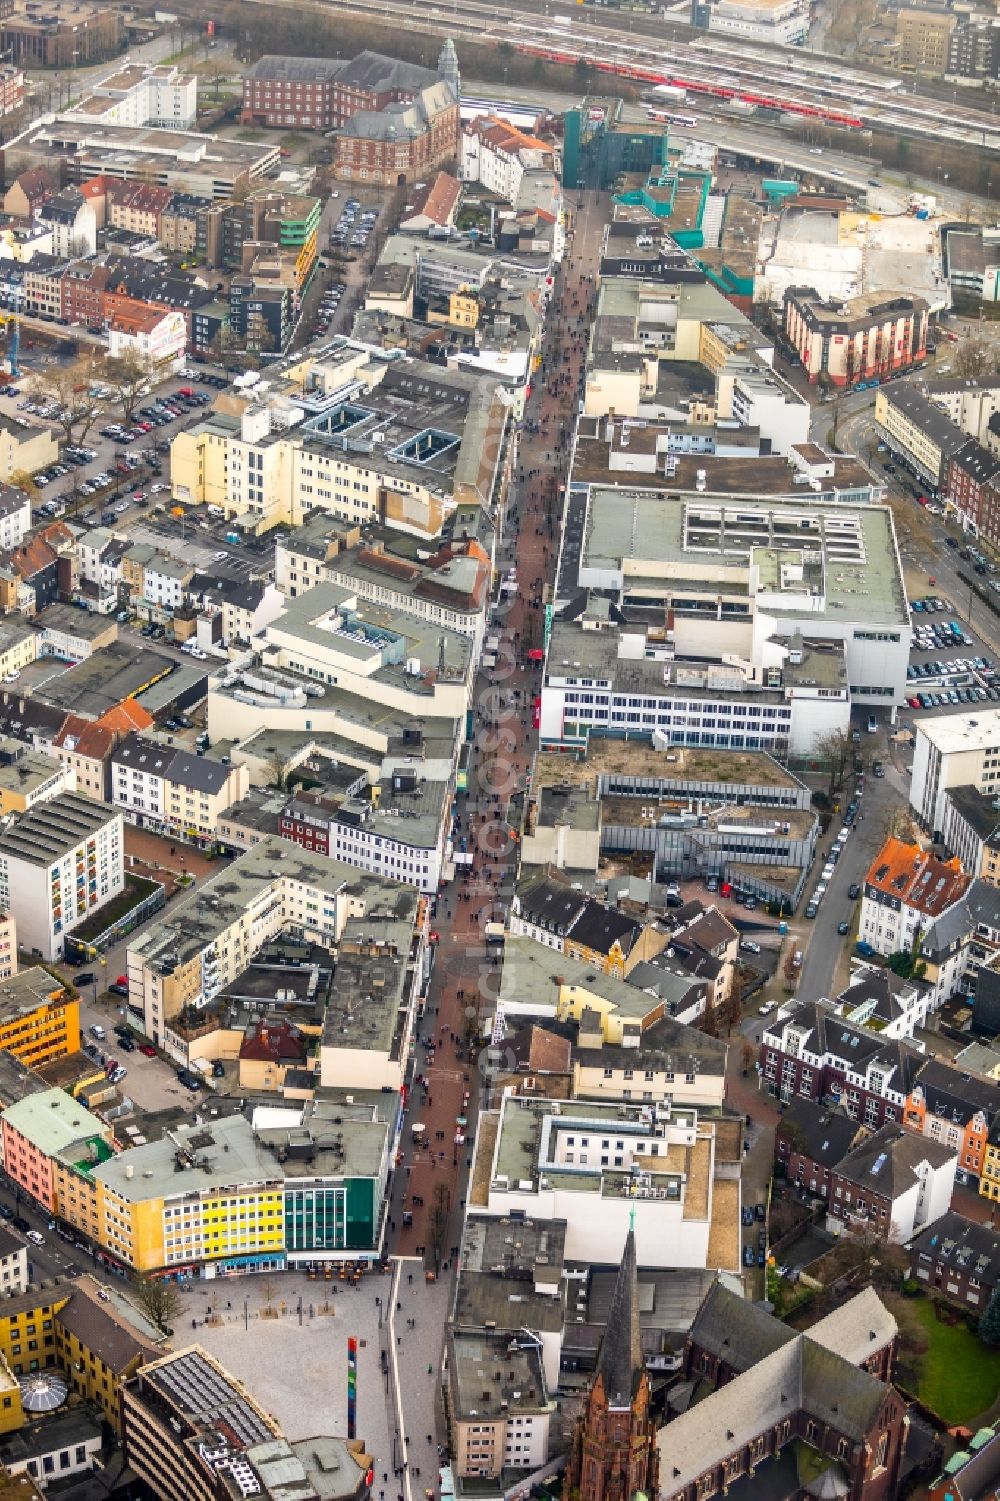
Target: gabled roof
x=980 y=905
x=956 y=1095
x=910 y=875
x=781 y=1373
x=37 y=182
x=850 y=1046
x=551 y=904
x=126 y=716
x=887 y=1162
x=602 y=928
x=710 y=930
x=274 y=1042
x=85 y=737
x=102 y=1330
x=963 y=1244
x=438 y=200
x=539 y=1050
x=819 y=1133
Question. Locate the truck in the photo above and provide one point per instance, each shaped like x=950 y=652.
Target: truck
x=666 y=92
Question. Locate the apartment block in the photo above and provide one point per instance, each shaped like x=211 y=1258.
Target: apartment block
x=42 y=1127
x=954 y=750
x=173 y=791
x=811 y=1050
x=212 y=933
x=906 y=889
x=59 y=862
x=923 y=38
x=39 y=1020
x=866 y=338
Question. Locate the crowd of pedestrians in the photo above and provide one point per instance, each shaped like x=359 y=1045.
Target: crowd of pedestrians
x=431 y=1183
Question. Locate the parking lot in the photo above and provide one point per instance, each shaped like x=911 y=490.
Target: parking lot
x=198 y=546
x=112 y=470
x=949 y=666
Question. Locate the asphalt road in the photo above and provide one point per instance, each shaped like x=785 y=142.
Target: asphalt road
x=823 y=945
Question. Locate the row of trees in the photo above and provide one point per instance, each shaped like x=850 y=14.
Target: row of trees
x=70 y=387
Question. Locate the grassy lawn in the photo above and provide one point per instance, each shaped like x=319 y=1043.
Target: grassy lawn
x=137 y=888
x=959 y=1377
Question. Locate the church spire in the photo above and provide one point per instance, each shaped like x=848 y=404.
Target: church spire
x=613 y=1454
x=620 y=1363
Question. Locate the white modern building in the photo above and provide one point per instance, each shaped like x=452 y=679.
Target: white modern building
x=779 y=23
x=59 y=863
x=164 y=582
x=100 y=556
x=157 y=336
x=15 y=516
x=954 y=750
x=769 y=621
x=162 y=97
x=595 y=1166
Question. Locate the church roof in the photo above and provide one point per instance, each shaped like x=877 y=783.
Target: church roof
x=621 y=1361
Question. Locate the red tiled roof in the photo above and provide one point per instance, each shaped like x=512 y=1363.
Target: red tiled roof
x=128 y=715
x=279 y=1043
x=911 y=876
x=37 y=182
x=438 y=201
x=503 y=136
x=90 y=738
x=30 y=559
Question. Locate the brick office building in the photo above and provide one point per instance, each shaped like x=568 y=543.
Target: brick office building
x=971 y=481
x=322 y=93
x=402 y=143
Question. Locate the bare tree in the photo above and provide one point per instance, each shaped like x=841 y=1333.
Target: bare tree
x=974 y=358
x=278 y=766
x=130 y=374
x=833 y=749
x=897 y=824
x=437 y=1223
x=159 y=1300
x=70 y=389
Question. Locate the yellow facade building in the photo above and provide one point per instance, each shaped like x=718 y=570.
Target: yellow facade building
x=209 y=1197
x=39 y=1020
x=98 y=1348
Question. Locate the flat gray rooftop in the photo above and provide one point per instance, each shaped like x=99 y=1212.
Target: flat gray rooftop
x=854 y=546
